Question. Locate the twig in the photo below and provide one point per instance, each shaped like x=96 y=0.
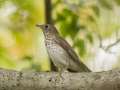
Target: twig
x=113 y=44
x=107 y=48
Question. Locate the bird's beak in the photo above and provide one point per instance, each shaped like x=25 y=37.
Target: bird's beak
x=39 y=25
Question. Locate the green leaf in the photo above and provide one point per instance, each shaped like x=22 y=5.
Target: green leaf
x=106 y=4
x=5 y=59
x=2 y=3
x=90 y=38
x=24 y=4
x=55 y=3
x=68 y=22
x=118 y=2
x=80 y=44
x=96 y=10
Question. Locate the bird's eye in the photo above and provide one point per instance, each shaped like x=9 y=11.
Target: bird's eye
x=46 y=26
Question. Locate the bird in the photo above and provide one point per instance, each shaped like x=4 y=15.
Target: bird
x=59 y=50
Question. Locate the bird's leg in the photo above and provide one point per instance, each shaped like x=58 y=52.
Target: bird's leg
x=59 y=75
x=60 y=71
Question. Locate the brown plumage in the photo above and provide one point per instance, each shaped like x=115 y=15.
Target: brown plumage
x=60 y=52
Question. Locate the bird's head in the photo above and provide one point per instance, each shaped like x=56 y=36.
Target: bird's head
x=48 y=29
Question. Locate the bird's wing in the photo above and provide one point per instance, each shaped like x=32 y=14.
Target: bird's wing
x=71 y=53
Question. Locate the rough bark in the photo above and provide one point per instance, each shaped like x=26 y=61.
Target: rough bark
x=14 y=80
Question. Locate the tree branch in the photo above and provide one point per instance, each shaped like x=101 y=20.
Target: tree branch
x=107 y=48
x=14 y=80
x=113 y=44
x=48 y=11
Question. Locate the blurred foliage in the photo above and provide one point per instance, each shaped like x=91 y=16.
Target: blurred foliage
x=117 y=1
x=90 y=18
x=4 y=59
x=106 y=4
x=70 y=20
x=2 y=2
x=81 y=21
